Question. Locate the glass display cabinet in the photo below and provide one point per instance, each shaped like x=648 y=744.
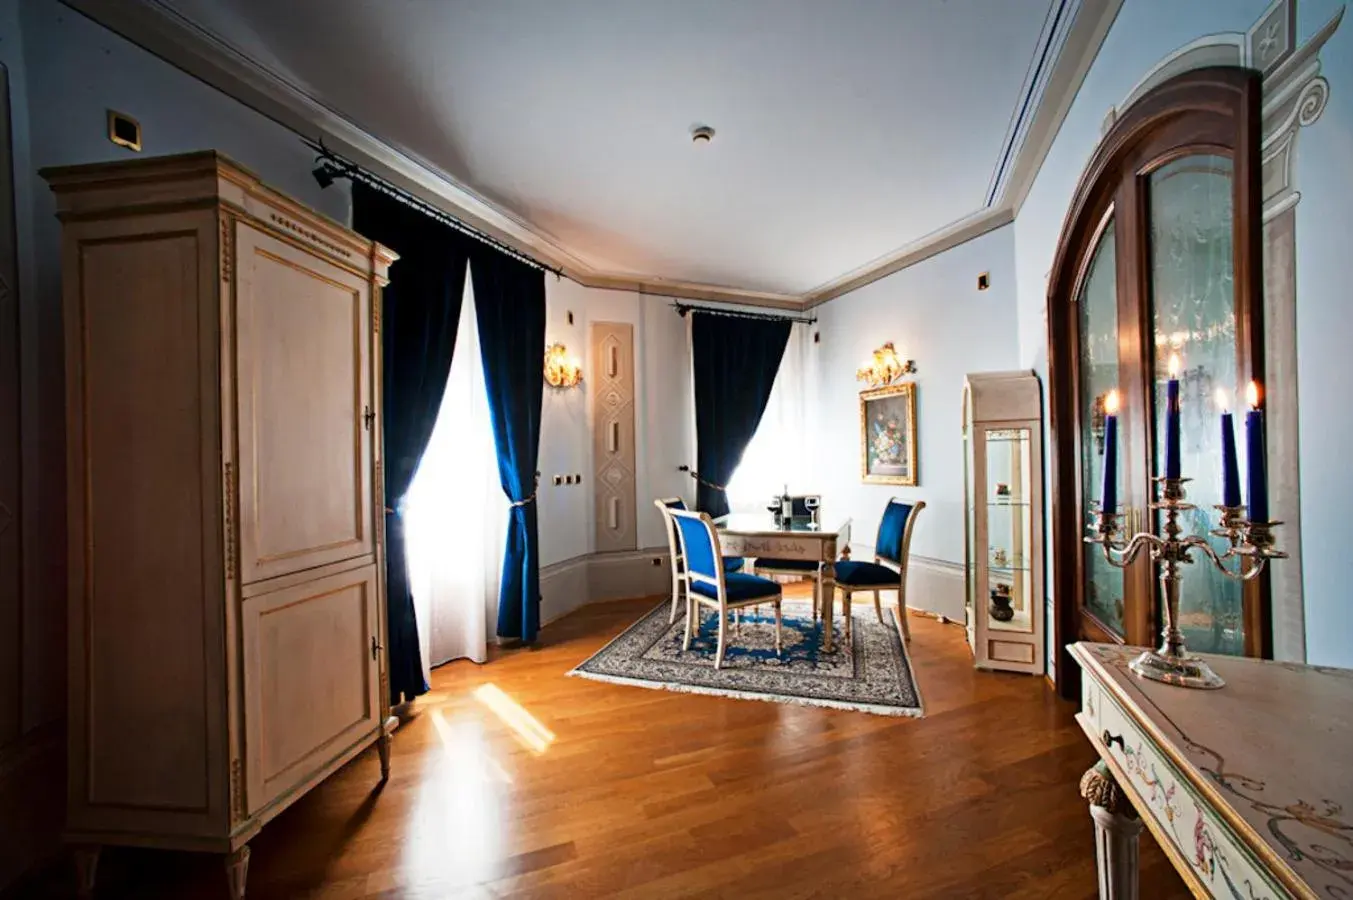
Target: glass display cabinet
x=1003 y=511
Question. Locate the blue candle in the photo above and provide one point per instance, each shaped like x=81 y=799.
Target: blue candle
x=1172 y=467
x=1230 y=471
x=1254 y=452
x=1108 y=498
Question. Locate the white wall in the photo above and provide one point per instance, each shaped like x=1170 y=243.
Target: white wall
x=1145 y=32
x=935 y=315
x=662 y=415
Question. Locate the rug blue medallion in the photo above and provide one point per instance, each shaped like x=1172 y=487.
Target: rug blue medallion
x=872 y=674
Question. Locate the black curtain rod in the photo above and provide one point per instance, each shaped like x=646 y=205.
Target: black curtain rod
x=683 y=308
x=330 y=166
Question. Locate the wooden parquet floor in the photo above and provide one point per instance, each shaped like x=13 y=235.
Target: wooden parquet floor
x=611 y=791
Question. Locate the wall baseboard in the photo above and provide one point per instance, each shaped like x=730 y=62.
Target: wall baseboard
x=598 y=577
x=935 y=586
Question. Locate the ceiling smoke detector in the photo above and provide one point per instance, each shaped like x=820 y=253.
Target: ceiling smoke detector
x=701 y=135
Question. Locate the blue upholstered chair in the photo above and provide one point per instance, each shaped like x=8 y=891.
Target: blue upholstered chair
x=891 y=548
x=730 y=564
x=709 y=583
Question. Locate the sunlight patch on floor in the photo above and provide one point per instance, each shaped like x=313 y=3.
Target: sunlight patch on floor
x=526 y=727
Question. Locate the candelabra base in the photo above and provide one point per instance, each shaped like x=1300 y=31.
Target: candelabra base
x=1181 y=671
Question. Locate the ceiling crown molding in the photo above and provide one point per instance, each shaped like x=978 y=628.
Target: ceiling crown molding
x=167 y=34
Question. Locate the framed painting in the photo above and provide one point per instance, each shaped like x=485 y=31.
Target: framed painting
x=888 y=435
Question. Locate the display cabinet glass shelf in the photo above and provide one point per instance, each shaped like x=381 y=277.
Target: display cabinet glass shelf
x=1003 y=511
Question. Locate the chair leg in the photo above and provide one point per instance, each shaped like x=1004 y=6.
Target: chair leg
x=723 y=637
x=692 y=620
x=878 y=607
x=817 y=597
x=845 y=610
x=778 y=620
x=902 y=618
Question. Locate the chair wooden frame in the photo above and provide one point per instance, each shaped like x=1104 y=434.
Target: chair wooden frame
x=720 y=603
x=902 y=564
x=814 y=574
x=664 y=505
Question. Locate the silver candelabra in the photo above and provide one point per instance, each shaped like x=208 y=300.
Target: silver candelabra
x=1251 y=544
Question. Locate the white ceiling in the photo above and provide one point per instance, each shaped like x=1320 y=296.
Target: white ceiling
x=846 y=129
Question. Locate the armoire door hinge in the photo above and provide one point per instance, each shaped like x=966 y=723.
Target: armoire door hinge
x=375 y=647
x=367 y=417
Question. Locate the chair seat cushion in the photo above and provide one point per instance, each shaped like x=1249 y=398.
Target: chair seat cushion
x=741 y=586
x=733 y=563
x=789 y=565
x=865 y=574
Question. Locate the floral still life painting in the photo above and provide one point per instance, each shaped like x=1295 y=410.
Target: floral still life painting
x=888 y=435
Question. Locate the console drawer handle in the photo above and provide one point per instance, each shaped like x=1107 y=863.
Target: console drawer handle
x=1111 y=739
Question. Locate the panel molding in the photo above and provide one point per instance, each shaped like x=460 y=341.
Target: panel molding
x=614 y=513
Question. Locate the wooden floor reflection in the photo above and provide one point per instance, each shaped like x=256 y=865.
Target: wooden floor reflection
x=511 y=780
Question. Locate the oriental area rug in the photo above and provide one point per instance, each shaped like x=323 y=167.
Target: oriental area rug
x=871 y=675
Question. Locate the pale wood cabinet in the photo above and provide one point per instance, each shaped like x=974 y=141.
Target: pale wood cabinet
x=227 y=605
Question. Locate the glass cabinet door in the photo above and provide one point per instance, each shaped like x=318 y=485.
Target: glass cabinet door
x=1194 y=312
x=1102 y=586
x=1006 y=506
x=971 y=606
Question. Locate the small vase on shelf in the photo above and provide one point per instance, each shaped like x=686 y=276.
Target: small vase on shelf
x=1001 y=610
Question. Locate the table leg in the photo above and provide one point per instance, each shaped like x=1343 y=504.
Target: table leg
x=828 y=604
x=1117 y=829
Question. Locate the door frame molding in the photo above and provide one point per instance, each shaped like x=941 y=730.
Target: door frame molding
x=1145 y=134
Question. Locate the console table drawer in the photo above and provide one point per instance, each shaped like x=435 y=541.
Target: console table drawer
x=1184 y=822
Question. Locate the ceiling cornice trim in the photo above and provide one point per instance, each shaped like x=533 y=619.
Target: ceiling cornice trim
x=165 y=33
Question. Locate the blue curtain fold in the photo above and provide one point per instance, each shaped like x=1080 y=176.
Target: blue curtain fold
x=510 y=311
x=735 y=361
x=419 y=320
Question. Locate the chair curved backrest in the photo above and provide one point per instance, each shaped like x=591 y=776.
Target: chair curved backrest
x=894 y=537
x=699 y=547
x=673 y=541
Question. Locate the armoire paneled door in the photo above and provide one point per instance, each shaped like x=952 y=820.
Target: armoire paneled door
x=226 y=595
x=1158 y=262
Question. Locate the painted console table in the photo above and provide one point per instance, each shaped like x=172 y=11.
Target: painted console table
x=1247 y=789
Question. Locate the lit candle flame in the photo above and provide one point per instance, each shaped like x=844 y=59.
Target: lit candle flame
x=1111 y=403
x=1252 y=394
x=1174 y=365
x=1223 y=399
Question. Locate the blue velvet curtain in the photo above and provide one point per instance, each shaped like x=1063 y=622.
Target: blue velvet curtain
x=510 y=311
x=418 y=333
x=735 y=361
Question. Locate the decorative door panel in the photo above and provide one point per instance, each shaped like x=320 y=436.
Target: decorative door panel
x=613 y=436
x=1194 y=317
x=305 y=410
x=311 y=684
x=1102 y=610
x=141 y=388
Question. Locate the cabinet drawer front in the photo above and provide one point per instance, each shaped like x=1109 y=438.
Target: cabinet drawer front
x=303 y=383
x=1205 y=843
x=310 y=682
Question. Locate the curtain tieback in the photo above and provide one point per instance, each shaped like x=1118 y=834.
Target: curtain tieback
x=530 y=499
x=709 y=484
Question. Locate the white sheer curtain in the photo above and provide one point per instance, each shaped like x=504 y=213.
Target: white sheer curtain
x=778 y=453
x=455 y=515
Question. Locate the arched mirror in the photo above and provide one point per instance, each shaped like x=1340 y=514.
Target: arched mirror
x=1159 y=257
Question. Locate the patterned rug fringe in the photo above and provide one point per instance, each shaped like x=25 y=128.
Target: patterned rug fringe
x=917 y=712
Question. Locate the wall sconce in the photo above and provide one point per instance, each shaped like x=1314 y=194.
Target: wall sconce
x=884 y=367
x=562 y=369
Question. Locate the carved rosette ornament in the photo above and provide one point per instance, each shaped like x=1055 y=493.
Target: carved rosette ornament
x=1098 y=788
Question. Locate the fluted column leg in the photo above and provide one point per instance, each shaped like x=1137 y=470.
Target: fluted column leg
x=1117 y=832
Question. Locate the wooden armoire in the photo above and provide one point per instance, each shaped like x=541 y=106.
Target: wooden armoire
x=226 y=599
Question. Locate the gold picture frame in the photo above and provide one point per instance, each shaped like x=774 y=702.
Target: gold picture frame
x=888 y=435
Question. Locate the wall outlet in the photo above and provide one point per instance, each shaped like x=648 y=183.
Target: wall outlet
x=657 y=561
x=558 y=479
